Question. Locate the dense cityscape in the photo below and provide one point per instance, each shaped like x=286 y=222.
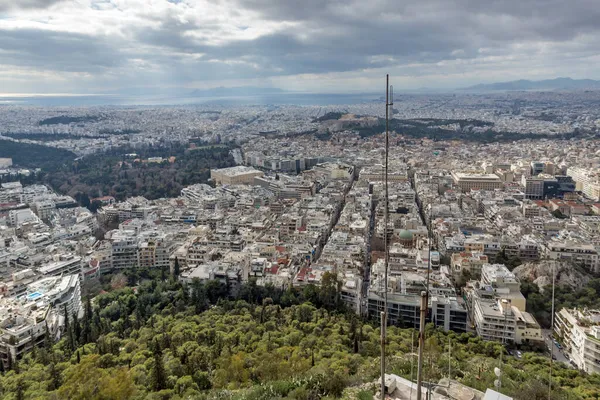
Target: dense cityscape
x=111 y=246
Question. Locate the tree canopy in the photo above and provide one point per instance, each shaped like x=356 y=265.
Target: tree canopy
x=166 y=340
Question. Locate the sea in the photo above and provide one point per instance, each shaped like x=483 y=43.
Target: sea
x=303 y=99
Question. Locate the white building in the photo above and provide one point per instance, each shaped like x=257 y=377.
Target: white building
x=579 y=331
x=18 y=217
x=235 y=175
x=23 y=319
x=586 y=181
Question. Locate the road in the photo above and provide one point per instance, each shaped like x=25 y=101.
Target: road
x=556 y=352
x=367 y=276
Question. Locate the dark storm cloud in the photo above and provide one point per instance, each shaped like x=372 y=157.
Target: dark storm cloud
x=318 y=47
x=60 y=51
x=482 y=20
x=183 y=44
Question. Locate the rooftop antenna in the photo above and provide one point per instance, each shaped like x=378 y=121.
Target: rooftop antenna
x=389 y=102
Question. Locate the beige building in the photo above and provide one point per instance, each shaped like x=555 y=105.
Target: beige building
x=497 y=308
x=239 y=175
x=467 y=181
x=467 y=261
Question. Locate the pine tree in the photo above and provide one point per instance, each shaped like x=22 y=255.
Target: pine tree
x=54 y=373
x=76 y=330
x=158 y=376
x=68 y=330
x=176 y=268
x=20 y=392
x=86 y=326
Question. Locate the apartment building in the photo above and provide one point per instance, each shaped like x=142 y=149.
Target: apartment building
x=470 y=262
x=497 y=319
x=155 y=248
x=445 y=312
x=497 y=308
x=25 y=318
x=67 y=264
x=583 y=254
x=533 y=186
x=587 y=181
x=124 y=250
x=43 y=209
x=579 y=332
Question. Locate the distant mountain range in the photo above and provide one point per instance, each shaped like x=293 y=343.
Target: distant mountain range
x=235 y=91
x=548 y=84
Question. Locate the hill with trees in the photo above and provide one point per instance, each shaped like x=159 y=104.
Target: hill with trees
x=470 y=130
x=539 y=303
x=65 y=119
x=114 y=173
x=165 y=340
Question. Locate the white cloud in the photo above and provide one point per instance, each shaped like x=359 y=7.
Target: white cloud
x=319 y=45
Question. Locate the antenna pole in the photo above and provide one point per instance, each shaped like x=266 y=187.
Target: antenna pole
x=449 y=359
x=388 y=103
x=552 y=332
x=412 y=360
x=421 y=343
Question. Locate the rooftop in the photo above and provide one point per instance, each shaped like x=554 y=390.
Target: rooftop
x=238 y=170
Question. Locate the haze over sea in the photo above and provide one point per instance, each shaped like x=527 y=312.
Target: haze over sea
x=266 y=99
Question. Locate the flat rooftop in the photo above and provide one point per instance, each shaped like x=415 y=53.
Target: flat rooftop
x=473 y=175
x=238 y=170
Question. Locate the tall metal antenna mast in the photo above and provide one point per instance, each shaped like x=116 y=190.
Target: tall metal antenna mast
x=552 y=331
x=389 y=101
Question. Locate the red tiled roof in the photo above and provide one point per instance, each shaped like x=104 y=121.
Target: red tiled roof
x=273 y=270
x=302 y=273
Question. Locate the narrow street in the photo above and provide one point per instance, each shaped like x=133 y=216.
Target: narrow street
x=556 y=352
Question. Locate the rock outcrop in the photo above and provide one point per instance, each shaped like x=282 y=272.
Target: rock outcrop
x=540 y=272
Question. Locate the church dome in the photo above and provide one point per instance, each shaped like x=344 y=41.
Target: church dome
x=405 y=235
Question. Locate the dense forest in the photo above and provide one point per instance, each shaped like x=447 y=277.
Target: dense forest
x=430 y=128
x=35 y=155
x=164 y=340
x=65 y=119
x=113 y=173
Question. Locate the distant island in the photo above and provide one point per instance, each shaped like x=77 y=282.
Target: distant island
x=548 y=84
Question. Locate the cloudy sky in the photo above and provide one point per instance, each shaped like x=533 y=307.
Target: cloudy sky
x=98 y=46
